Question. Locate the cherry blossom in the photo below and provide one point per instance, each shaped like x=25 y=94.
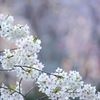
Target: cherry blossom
x=24 y=61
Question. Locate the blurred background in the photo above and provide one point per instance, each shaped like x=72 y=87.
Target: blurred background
x=69 y=31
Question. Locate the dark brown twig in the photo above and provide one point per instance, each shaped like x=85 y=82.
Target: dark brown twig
x=31 y=68
x=6 y=69
x=20 y=83
x=37 y=70
x=10 y=50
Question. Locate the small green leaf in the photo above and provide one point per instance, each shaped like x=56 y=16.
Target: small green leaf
x=35 y=38
x=29 y=70
x=7 y=16
x=29 y=55
x=10 y=56
x=60 y=77
x=32 y=65
x=56 y=89
x=12 y=86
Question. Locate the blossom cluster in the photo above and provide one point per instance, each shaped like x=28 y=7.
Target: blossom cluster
x=10 y=32
x=29 y=45
x=62 y=85
x=24 y=61
x=10 y=94
x=25 y=55
x=9 y=60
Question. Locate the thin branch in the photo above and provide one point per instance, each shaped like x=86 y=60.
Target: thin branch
x=10 y=50
x=37 y=70
x=20 y=83
x=30 y=90
x=23 y=69
x=30 y=68
x=15 y=91
x=6 y=69
x=41 y=97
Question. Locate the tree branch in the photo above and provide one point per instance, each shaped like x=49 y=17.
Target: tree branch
x=10 y=50
x=37 y=70
x=6 y=69
x=20 y=83
x=31 y=68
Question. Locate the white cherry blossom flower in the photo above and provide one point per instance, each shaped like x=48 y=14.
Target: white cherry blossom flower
x=29 y=45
